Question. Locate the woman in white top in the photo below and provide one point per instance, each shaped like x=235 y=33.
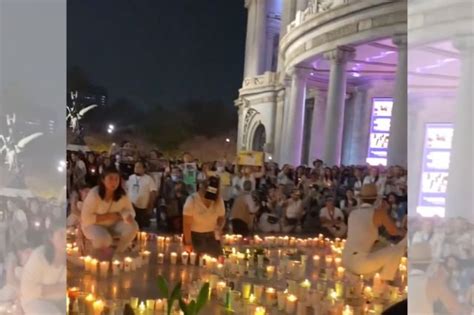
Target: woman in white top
x=107 y=211
x=203 y=219
x=43 y=280
x=363 y=232
x=374 y=177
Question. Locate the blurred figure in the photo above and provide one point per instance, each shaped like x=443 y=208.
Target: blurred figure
x=14 y=263
x=293 y=212
x=76 y=201
x=174 y=208
x=243 y=211
x=332 y=219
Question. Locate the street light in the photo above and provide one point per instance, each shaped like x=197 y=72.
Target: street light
x=61 y=166
x=111 y=128
x=227 y=140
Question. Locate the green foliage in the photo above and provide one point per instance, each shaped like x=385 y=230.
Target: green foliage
x=193 y=307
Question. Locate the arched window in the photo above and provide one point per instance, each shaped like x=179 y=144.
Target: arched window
x=259 y=138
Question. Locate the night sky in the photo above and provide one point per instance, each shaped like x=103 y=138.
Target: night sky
x=159 y=52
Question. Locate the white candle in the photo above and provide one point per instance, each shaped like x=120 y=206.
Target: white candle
x=192 y=258
x=270 y=272
x=220 y=290
x=291 y=304
x=258 y=291
x=281 y=296
x=329 y=260
x=93 y=263
x=174 y=258
x=159 y=305
x=134 y=302
x=246 y=288
x=184 y=258
x=127 y=264
x=160 y=258
x=377 y=285
x=104 y=268
x=146 y=257
x=87 y=263
x=259 y=310
x=270 y=296
x=340 y=272
x=260 y=261
x=150 y=304
x=316 y=261
x=348 y=310
x=142 y=308
x=116 y=267
x=98 y=307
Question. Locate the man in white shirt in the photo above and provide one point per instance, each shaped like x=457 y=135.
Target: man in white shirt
x=332 y=218
x=141 y=189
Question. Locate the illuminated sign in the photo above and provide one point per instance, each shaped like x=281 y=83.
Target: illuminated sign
x=379 y=131
x=434 y=178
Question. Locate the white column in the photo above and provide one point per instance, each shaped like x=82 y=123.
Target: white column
x=301 y=5
x=460 y=189
x=347 y=132
x=280 y=107
x=317 y=126
x=361 y=126
x=294 y=131
x=397 y=144
x=255 y=40
x=286 y=109
x=288 y=15
x=335 y=104
x=240 y=126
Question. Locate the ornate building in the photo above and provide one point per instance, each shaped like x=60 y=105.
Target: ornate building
x=314 y=70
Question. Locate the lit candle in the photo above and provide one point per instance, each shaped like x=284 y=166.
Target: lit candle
x=174 y=258
x=377 y=285
x=87 y=265
x=304 y=289
x=161 y=258
x=184 y=258
x=348 y=310
x=340 y=272
x=281 y=296
x=159 y=305
x=270 y=272
x=116 y=267
x=259 y=310
x=127 y=264
x=316 y=261
x=328 y=261
x=291 y=304
x=104 y=268
x=337 y=261
x=220 y=290
x=339 y=289
x=368 y=292
x=134 y=302
x=246 y=288
x=252 y=299
x=142 y=308
x=146 y=257
x=270 y=296
x=220 y=270
x=93 y=263
x=192 y=258
x=89 y=300
x=258 y=291
x=98 y=307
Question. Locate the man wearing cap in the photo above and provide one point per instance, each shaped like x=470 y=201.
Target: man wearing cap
x=363 y=232
x=203 y=219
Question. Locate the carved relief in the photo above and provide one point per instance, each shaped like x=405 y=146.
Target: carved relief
x=249 y=116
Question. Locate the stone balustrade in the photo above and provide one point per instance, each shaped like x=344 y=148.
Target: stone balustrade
x=266 y=79
x=315 y=7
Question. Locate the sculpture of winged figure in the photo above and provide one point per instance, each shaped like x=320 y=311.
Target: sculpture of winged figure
x=74 y=115
x=12 y=148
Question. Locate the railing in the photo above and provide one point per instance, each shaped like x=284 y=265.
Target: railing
x=314 y=8
x=268 y=78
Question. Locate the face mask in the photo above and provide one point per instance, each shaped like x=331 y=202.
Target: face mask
x=174 y=178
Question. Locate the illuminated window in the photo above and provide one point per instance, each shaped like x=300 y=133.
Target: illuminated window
x=434 y=176
x=379 y=131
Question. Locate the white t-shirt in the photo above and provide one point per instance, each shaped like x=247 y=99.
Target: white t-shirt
x=204 y=219
x=139 y=189
x=337 y=214
x=294 y=209
x=38 y=272
x=94 y=205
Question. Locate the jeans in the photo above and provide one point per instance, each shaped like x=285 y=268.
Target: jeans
x=101 y=236
x=206 y=243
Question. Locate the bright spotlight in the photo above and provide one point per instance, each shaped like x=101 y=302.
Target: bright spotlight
x=111 y=126
x=227 y=140
x=270 y=158
x=60 y=169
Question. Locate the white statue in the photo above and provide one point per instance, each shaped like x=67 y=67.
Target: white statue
x=11 y=148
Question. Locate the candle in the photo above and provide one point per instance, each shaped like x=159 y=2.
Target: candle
x=174 y=258
x=328 y=261
x=270 y=272
x=146 y=257
x=246 y=288
x=258 y=291
x=368 y=293
x=252 y=299
x=98 y=307
x=150 y=304
x=159 y=305
x=260 y=261
x=93 y=263
x=89 y=300
x=270 y=296
x=116 y=267
x=304 y=290
x=281 y=297
x=127 y=264
x=300 y=308
x=316 y=261
x=184 y=258
x=161 y=258
x=259 y=310
x=220 y=290
x=337 y=261
x=378 y=308
x=134 y=302
x=104 y=268
x=377 y=285
x=340 y=272
x=192 y=258
x=348 y=310
x=339 y=289
x=220 y=270
x=87 y=264
x=291 y=304
x=142 y=308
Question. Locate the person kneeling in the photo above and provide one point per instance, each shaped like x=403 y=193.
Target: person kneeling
x=107 y=211
x=332 y=219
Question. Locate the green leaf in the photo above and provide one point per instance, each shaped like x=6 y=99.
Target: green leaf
x=175 y=295
x=184 y=307
x=202 y=297
x=192 y=308
x=163 y=286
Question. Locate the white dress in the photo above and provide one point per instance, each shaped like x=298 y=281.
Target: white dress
x=362 y=234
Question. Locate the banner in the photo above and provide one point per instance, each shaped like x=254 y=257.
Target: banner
x=250 y=158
